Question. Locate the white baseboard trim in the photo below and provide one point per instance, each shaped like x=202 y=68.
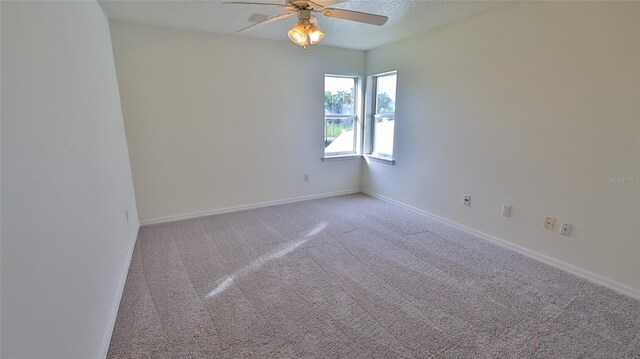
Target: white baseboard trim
x=116 y=304
x=580 y=272
x=243 y=207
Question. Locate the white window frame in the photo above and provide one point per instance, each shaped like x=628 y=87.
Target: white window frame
x=372 y=116
x=357 y=106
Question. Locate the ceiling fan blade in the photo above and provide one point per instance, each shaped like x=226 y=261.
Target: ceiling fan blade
x=267 y=21
x=325 y=3
x=253 y=3
x=358 y=16
x=284 y=6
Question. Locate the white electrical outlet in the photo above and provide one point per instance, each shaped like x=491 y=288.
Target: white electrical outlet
x=549 y=222
x=467 y=200
x=506 y=210
x=307 y=177
x=565 y=229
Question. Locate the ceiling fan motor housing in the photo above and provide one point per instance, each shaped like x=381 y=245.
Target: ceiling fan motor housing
x=301 y=4
x=304 y=15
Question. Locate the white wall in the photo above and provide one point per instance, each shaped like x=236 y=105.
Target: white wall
x=66 y=182
x=534 y=104
x=218 y=121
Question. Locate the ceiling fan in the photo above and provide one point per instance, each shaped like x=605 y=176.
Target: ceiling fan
x=306 y=32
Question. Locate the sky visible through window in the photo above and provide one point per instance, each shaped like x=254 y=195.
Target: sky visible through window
x=335 y=84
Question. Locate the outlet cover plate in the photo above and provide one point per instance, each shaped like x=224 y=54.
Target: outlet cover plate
x=565 y=229
x=549 y=222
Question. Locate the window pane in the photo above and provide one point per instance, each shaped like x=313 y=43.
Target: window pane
x=339 y=95
x=384 y=119
x=383 y=135
x=386 y=94
x=338 y=135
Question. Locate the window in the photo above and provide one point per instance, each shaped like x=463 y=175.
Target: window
x=384 y=114
x=340 y=115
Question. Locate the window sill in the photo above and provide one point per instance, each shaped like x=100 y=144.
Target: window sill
x=389 y=161
x=340 y=158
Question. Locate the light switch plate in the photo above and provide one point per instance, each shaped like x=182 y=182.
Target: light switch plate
x=506 y=210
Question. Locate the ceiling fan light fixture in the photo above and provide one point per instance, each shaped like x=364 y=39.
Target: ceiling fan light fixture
x=305 y=33
x=299 y=35
x=315 y=35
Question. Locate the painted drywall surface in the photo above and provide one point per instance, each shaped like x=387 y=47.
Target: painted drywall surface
x=533 y=105
x=216 y=121
x=66 y=181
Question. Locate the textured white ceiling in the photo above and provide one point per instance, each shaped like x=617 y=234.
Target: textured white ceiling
x=406 y=17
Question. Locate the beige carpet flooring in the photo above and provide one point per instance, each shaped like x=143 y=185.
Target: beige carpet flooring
x=355 y=277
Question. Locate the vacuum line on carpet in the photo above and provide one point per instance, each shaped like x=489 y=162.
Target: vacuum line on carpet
x=258 y=263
